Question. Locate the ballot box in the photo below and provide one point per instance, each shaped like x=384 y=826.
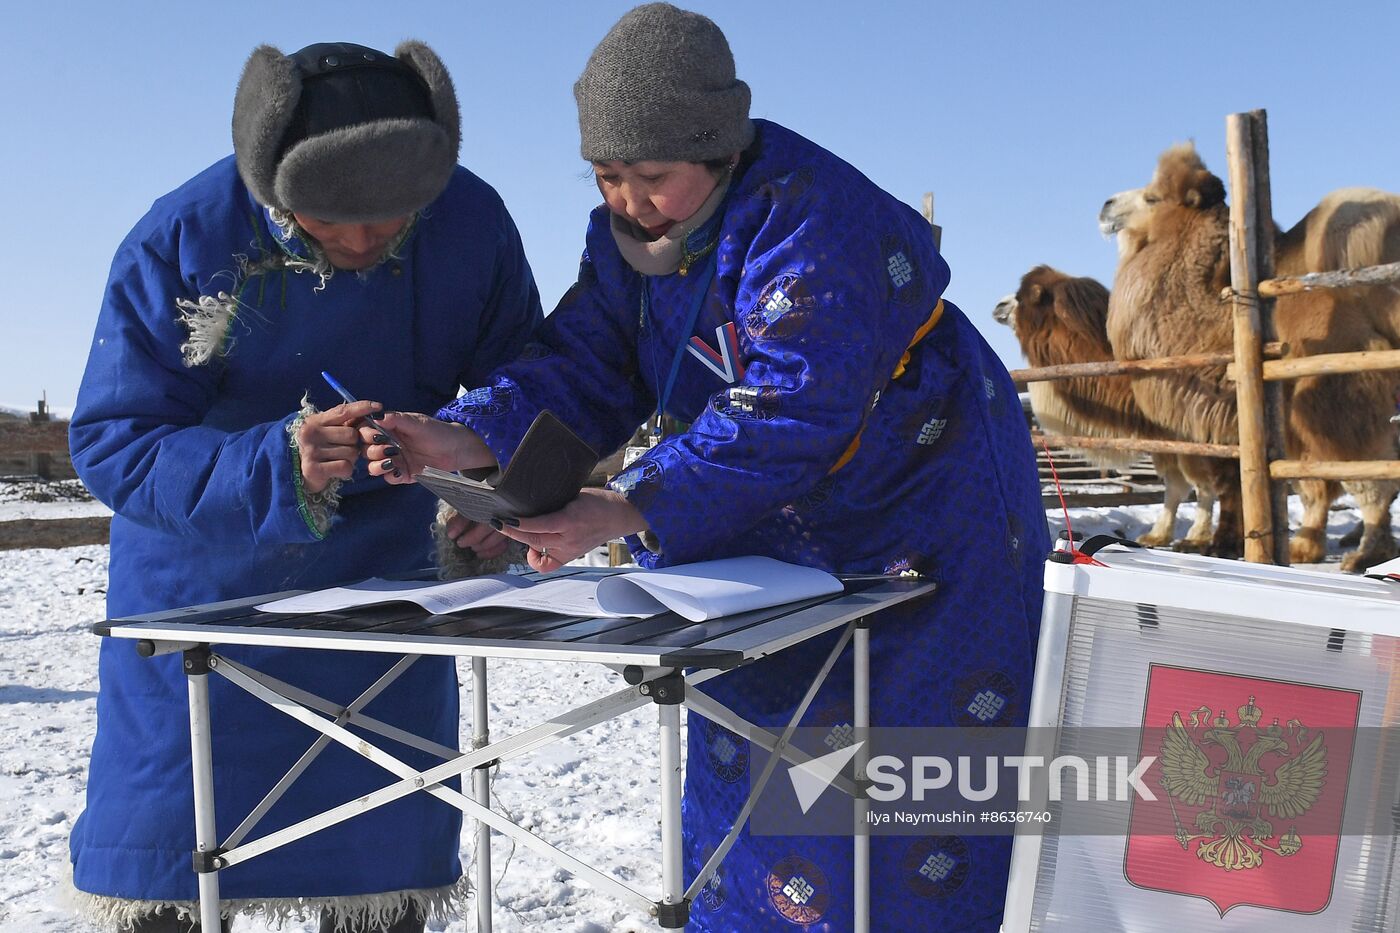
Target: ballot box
x=1256 y=705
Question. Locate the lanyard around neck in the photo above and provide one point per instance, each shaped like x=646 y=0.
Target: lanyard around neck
x=702 y=287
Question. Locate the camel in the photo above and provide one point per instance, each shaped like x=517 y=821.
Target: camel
x=1173 y=239
x=1061 y=319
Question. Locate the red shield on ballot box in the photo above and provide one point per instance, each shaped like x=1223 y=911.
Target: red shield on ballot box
x=1250 y=779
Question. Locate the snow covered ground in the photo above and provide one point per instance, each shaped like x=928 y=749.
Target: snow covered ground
x=63 y=499
x=594 y=795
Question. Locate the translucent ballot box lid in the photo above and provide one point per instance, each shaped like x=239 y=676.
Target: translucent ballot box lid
x=1208 y=584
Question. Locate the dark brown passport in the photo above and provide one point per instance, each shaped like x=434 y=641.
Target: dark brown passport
x=546 y=473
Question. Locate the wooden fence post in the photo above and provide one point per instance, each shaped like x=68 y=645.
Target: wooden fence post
x=1251 y=261
x=1275 y=414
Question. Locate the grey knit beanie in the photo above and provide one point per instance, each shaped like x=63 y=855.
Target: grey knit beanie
x=661 y=86
x=345 y=133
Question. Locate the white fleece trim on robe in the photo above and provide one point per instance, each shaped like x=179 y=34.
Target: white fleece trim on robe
x=455 y=562
x=364 y=910
x=321 y=506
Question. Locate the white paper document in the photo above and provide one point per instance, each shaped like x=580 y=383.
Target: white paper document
x=693 y=591
x=714 y=588
x=437 y=598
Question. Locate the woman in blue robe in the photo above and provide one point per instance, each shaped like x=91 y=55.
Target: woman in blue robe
x=840 y=414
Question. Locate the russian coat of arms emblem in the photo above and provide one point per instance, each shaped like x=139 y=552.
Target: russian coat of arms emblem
x=1251 y=775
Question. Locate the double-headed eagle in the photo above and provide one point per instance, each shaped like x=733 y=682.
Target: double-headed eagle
x=1233 y=827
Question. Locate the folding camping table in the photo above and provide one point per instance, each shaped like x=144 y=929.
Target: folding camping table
x=663 y=659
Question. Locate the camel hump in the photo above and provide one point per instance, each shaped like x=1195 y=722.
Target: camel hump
x=1350 y=228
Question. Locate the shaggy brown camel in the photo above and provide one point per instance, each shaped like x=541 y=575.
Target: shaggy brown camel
x=1061 y=319
x=1173 y=239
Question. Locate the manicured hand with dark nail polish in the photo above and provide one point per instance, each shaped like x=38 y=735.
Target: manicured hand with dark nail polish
x=403 y=443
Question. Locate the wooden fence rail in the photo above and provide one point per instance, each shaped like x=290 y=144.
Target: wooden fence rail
x=1272 y=350
x=1275 y=370
x=1342 y=278
x=1334 y=469
x=1145 y=445
x=1326 y=364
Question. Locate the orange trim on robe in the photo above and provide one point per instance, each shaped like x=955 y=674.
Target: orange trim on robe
x=919 y=334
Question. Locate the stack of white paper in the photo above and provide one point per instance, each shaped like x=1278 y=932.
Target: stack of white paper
x=696 y=592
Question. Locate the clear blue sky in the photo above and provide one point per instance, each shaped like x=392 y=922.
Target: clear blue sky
x=1022 y=117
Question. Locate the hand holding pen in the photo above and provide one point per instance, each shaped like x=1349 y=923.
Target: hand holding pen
x=350 y=400
x=388 y=444
x=426 y=442
x=328 y=443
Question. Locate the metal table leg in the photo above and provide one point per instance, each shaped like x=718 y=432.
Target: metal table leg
x=672 y=871
x=196 y=662
x=481 y=792
x=861 y=838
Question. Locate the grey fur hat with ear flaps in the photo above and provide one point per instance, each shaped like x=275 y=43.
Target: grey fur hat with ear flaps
x=345 y=133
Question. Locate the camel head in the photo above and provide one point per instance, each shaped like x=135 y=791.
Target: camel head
x=1181 y=182
x=1050 y=305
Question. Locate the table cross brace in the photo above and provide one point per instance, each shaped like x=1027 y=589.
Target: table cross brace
x=757 y=787
x=410 y=780
x=348 y=714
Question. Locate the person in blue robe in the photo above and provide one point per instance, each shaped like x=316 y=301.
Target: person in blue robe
x=838 y=412
x=342 y=236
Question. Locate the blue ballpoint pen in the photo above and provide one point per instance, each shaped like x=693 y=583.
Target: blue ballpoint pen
x=345 y=394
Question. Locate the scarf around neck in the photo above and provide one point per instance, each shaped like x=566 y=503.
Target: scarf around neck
x=662 y=255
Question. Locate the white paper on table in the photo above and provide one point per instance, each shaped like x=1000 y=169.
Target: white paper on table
x=695 y=592
x=715 y=588
x=437 y=598
x=567 y=596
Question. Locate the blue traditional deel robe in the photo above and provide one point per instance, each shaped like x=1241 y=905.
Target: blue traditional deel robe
x=812 y=454
x=196 y=463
